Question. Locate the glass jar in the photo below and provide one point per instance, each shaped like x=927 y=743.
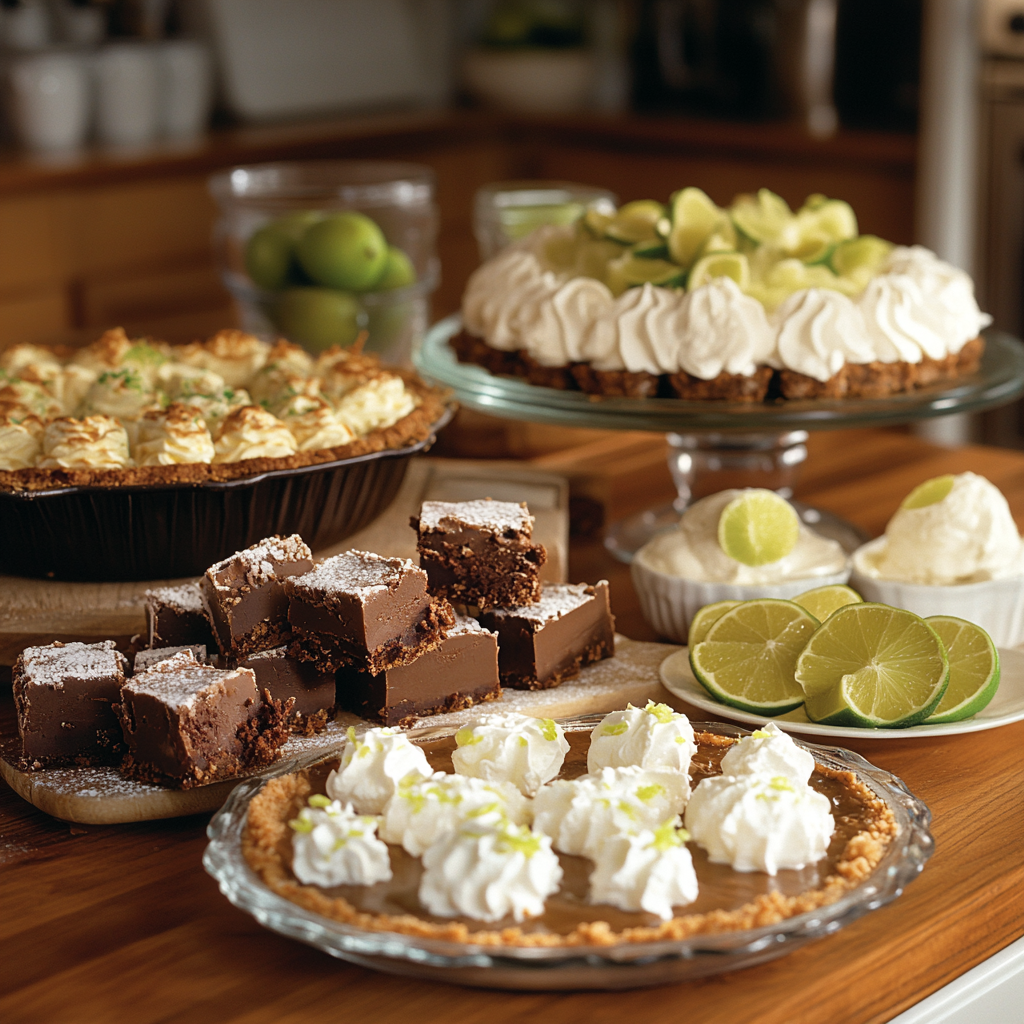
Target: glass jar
x=266 y=211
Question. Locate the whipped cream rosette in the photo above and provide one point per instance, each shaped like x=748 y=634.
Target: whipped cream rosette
x=759 y=822
x=649 y=870
x=332 y=845
x=769 y=751
x=654 y=736
x=488 y=872
x=511 y=748
x=373 y=765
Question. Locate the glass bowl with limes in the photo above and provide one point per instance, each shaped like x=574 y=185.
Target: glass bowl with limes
x=326 y=252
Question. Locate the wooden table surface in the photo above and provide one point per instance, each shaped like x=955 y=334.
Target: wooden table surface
x=121 y=923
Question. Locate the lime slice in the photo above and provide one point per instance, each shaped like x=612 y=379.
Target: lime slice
x=593 y=257
x=863 y=253
x=831 y=218
x=931 y=492
x=813 y=248
x=635 y=222
x=705 y=618
x=758 y=527
x=694 y=218
x=653 y=249
x=723 y=239
x=823 y=601
x=628 y=271
x=596 y=222
x=761 y=218
x=747 y=658
x=872 y=665
x=720 y=264
x=973 y=669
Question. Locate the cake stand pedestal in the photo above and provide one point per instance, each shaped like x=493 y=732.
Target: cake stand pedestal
x=716 y=445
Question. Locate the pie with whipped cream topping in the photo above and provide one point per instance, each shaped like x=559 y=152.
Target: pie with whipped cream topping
x=743 y=304
x=127 y=412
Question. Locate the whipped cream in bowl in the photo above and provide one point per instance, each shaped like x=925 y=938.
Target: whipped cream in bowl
x=960 y=555
x=679 y=571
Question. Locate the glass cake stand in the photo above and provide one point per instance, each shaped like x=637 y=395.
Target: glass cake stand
x=714 y=445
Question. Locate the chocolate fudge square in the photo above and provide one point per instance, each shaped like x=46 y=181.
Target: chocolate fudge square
x=187 y=724
x=480 y=552
x=364 y=611
x=176 y=617
x=245 y=598
x=541 y=645
x=64 y=695
x=148 y=658
x=289 y=678
x=462 y=672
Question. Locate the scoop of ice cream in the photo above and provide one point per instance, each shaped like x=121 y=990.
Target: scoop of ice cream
x=692 y=551
x=967 y=537
x=332 y=845
x=652 y=737
x=650 y=870
x=489 y=872
x=511 y=748
x=372 y=766
x=759 y=823
x=769 y=751
x=422 y=810
x=582 y=814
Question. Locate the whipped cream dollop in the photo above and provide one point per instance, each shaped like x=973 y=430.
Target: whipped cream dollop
x=180 y=379
x=120 y=393
x=488 y=872
x=95 y=442
x=581 y=814
x=422 y=810
x=759 y=822
x=31 y=397
x=332 y=845
x=216 y=406
x=692 y=551
x=769 y=751
x=554 y=321
x=372 y=766
x=252 y=433
x=967 y=537
x=232 y=354
x=654 y=736
x=511 y=748
x=173 y=436
x=313 y=423
x=649 y=870
x=14 y=358
x=379 y=403
x=21 y=441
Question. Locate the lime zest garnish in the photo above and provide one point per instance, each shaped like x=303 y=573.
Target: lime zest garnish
x=350 y=732
x=513 y=839
x=523 y=741
x=301 y=824
x=662 y=712
x=614 y=728
x=466 y=737
x=627 y=809
x=667 y=836
x=548 y=729
x=760 y=734
x=340 y=841
x=319 y=800
x=646 y=793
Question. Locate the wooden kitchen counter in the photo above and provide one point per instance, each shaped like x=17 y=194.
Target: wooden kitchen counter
x=121 y=923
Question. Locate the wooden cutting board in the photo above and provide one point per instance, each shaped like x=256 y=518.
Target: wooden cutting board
x=102 y=796
x=41 y=611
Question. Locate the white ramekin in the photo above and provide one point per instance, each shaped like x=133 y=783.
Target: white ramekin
x=995 y=605
x=670 y=602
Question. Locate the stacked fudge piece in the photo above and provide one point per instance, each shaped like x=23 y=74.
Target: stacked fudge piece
x=481 y=554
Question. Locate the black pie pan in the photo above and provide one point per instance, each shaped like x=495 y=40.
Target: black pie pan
x=156 y=532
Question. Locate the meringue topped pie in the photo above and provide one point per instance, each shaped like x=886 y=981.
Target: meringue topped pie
x=528 y=848
x=125 y=411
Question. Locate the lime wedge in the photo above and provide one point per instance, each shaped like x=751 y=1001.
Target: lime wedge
x=758 y=527
x=831 y=218
x=747 y=658
x=596 y=222
x=653 y=249
x=761 y=218
x=722 y=239
x=705 y=618
x=931 y=492
x=823 y=601
x=720 y=264
x=872 y=665
x=973 y=669
x=864 y=253
x=694 y=217
x=635 y=222
x=628 y=271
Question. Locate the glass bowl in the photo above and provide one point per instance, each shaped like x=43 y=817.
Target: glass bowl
x=399 y=197
x=626 y=965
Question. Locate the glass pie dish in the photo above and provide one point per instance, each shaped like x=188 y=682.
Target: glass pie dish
x=619 y=966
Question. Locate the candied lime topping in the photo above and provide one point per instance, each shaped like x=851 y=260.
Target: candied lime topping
x=466 y=737
x=662 y=712
x=646 y=793
x=515 y=839
x=760 y=734
x=319 y=800
x=614 y=728
x=301 y=824
x=667 y=836
x=548 y=729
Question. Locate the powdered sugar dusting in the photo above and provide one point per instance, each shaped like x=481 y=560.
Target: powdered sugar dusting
x=50 y=666
x=357 y=573
x=185 y=599
x=481 y=514
x=464 y=624
x=259 y=562
x=556 y=600
x=180 y=680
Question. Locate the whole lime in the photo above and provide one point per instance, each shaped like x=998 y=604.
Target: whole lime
x=398 y=271
x=317 y=317
x=344 y=250
x=268 y=257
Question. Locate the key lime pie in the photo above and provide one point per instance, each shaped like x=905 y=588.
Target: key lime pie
x=135 y=411
x=541 y=848
x=695 y=301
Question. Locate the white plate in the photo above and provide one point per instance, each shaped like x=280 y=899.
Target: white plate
x=1007 y=705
